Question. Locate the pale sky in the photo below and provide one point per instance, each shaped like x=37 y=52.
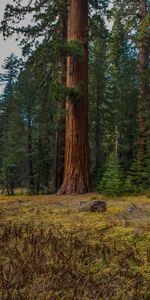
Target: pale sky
x=10 y=45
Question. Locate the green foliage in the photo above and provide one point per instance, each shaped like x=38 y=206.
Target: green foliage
x=12 y=143
x=144 y=29
x=129 y=185
x=121 y=106
x=112 y=180
x=75 y=49
x=96 y=179
x=138 y=179
x=75 y=94
x=40 y=128
x=97 y=91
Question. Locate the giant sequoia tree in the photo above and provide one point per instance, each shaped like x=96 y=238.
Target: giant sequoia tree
x=76 y=174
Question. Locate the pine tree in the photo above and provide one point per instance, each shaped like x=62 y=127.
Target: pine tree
x=39 y=110
x=144 y=90
x=135 y=16
x=12 y=135
x=97 y=89
x=112 y=180
x=122 y=92
x=60 y=131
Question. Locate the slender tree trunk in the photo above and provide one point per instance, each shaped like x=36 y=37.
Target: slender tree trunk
x=60 y=148
x=30 y=152
x=60 y=132
x=99 y=134
x=12 y=188
x=144 y=101
x=38 y=181
x=117 y=136
x=76 y=173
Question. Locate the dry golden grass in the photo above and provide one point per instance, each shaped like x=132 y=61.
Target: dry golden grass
x=66 y=210
x=97 y=255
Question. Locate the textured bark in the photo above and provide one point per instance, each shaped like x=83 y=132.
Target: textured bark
x=60 y=132
x=76 y=173
x=144 y=101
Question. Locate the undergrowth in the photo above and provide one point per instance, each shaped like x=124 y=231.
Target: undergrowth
x=51 y=259
x=40 y=263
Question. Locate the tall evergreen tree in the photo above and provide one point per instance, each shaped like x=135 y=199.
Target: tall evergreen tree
x=122 y=92
x=144 y=99
x=11 y=140
x=40 y=126
x=97 y=88
x=60 y=132
x=76 y=175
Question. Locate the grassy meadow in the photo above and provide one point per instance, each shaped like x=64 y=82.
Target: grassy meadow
x=50 y=249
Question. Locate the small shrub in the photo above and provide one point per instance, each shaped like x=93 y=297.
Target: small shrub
x=112 y=180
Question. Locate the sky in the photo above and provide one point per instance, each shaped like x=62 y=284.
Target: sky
x=10 y=45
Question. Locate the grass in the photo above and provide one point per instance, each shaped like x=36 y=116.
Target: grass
x=52 y=250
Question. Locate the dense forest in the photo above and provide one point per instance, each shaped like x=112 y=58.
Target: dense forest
x=75 y=109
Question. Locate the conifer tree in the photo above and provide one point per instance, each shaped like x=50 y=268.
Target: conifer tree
x=122 y=92
x=112 y=180
x=135 y=15
x=60 y=131
x=40 y=128
x=144 y=99
x=12 y=135
x=97 y=88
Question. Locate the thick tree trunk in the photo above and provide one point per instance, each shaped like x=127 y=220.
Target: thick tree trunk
x=144 y=83
x=76 y=173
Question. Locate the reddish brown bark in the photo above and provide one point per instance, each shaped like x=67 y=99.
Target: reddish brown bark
x=144 y=84
x=76 y=173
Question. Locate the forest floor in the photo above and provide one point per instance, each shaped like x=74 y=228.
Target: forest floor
x=51 y=249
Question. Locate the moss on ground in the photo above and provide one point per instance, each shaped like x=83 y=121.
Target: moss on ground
x=96 y=255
